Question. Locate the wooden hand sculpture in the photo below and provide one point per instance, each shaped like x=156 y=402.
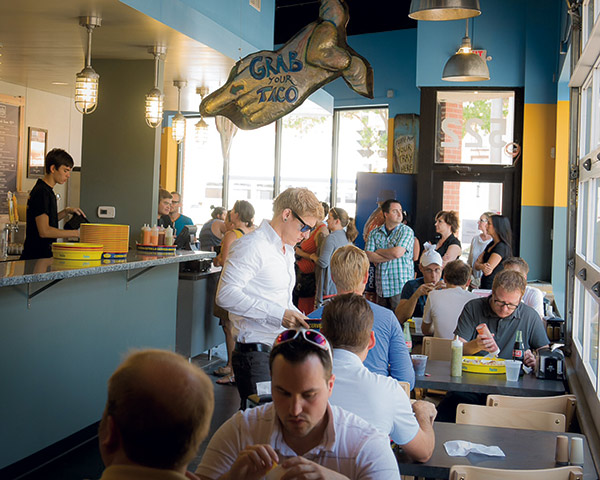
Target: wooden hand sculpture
x=266 y=85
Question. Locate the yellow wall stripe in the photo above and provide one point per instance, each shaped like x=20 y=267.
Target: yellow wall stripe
x=561 y=170
x=539 y=136
x=168 y=160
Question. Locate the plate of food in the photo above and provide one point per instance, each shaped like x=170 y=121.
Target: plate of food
x=493 y=365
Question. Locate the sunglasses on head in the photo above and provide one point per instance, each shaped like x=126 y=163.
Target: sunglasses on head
x=305 y=226
x=311 y=336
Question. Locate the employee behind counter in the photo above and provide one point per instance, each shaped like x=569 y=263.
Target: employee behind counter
x=42 y=210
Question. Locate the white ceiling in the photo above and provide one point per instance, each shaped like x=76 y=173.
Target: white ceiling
x=42 y=43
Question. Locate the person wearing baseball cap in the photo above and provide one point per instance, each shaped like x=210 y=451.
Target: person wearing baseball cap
x=414 y=293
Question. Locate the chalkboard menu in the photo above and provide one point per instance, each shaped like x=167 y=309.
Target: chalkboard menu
x=10 y=130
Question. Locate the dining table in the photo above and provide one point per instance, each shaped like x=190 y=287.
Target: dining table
x=437 y=376
x=523 y=449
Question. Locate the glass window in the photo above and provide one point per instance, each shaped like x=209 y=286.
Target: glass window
x=582 y=223
x=588 y=20
x=596 y=226
x=475 y=127
x=586 y=119
x=202 y=181
x=306 y=152
x=591 y=343
x=251 y=167
x=579 y=315
x=362 y=147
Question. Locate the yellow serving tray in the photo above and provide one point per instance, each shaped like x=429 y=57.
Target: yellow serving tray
x=481 y=366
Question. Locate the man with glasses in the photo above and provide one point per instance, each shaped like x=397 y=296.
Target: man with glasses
x=179 y=220
x=257 y=281
x=504 y=315
x=300 y=433
x=390 y=248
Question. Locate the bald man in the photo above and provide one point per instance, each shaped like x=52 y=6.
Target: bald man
x=158 y=412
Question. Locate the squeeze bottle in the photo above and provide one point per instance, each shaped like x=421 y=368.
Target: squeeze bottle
x=169 y=236
x=154 y=235
x=456 y=361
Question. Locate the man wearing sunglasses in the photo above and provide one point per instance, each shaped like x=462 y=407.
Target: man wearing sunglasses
x=380 y=400
x=257 y=281
x=300 y=431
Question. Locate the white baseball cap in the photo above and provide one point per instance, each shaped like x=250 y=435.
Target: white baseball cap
x=430 y=256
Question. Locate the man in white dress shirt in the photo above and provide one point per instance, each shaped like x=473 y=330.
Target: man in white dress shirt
x=257 y=281
x=348 y=324
x=533 y=297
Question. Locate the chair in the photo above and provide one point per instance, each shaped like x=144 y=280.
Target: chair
x=564 y=404
x=406 y=387
x=437 y=348
x=509 y=418
x=467 y=472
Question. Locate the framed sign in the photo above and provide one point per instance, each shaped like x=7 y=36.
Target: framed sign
x=37 y=144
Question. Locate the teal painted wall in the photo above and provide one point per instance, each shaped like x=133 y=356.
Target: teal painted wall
x=231 y=27
x=559 y=258
x=536 y=244
x=56 y=358
x=393 y=56
x=120 y=156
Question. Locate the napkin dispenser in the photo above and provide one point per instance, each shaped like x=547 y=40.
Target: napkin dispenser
x=550 y=362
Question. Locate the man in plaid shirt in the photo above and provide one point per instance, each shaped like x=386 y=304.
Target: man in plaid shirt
x=390 y=248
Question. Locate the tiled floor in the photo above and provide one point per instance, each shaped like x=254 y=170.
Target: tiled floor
x=84 y=462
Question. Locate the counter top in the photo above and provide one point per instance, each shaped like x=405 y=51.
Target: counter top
x=47 y=269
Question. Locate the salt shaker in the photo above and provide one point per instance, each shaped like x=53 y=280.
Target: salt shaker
x=576 y=455
x=562 y=450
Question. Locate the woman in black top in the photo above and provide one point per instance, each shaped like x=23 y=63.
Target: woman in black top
x=448 y=246
x=490 y=261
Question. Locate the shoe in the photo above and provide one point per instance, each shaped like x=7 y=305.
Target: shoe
x=227 y=380
x=223 y=371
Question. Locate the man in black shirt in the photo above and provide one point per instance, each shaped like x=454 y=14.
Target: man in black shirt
x=42 y=211
x=164 y=209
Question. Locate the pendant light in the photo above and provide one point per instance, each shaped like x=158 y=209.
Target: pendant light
x=436 y=10
x=464 y=65
x=155 y=98
x=201 y=126
x=178 y=125
x=86 y=82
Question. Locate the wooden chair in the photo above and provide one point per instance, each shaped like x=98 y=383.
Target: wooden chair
x=437 y=348
x=406 y=387
x=509 y=418
x=468 y=472
x=564 y=404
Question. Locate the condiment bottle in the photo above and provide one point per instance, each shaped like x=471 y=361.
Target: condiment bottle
x=169 y=236
x=146 y=234
x=154 y=235
x=456 y=361
x=407 y=336
x=484 y=331
x=161 y=235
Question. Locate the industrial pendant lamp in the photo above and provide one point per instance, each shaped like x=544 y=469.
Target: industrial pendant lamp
x=155 y=98
x=201 y=126
x=435 y=10
x=178 y=125
x=86 y=82
x=464 y=65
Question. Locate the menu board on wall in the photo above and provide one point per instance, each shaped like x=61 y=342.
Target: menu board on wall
x=10 y=141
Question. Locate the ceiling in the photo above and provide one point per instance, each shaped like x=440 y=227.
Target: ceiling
x=42 y=43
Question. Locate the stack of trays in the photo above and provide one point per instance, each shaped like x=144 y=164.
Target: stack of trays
x=157 y=249
x=115 y=238
x=77 y=251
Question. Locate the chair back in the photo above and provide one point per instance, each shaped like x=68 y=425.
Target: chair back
x=437 y=348
x=509 y=418
x=564 y=404
x=468 y=472
x=406 y=387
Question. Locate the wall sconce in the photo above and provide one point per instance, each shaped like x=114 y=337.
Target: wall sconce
x=86 y=82
x=436 y=10
x=178 y=125
x=464 y=65
x=201 y=126
x=155 y=98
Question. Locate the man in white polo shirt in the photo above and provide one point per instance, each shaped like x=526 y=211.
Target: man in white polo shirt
x=257 y=281
x=348 y=324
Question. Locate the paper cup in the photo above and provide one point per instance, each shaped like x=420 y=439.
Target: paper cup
x=419 y=364
x=513 y=369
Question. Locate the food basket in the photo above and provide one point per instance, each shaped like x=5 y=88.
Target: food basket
x=493 y=366
x=77 y=251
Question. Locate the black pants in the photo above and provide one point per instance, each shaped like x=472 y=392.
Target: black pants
x=446 y=410
x=249 y=368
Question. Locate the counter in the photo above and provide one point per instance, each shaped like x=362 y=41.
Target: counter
x=63 y=334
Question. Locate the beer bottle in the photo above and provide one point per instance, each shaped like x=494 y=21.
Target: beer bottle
x=407 y=336
x=518 y=352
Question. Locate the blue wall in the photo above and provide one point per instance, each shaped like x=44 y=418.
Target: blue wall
x=393 y=56
x=225 y=25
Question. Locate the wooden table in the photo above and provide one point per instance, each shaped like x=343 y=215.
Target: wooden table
x=524 y=449
x=528 y=385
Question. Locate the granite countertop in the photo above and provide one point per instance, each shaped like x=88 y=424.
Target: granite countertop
x=46 y=269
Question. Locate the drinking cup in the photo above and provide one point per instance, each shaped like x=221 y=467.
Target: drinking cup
x=418 y=323
x=576 y=455
x=513 y=368
x=419 y=364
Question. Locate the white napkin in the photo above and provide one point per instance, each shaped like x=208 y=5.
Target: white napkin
x=461 y=448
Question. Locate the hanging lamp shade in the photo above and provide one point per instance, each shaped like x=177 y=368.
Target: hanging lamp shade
x=86 y=81
x=465 y=66
x=436 y=10
x=178 y=124
x=201 y=131
x=155 y=98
